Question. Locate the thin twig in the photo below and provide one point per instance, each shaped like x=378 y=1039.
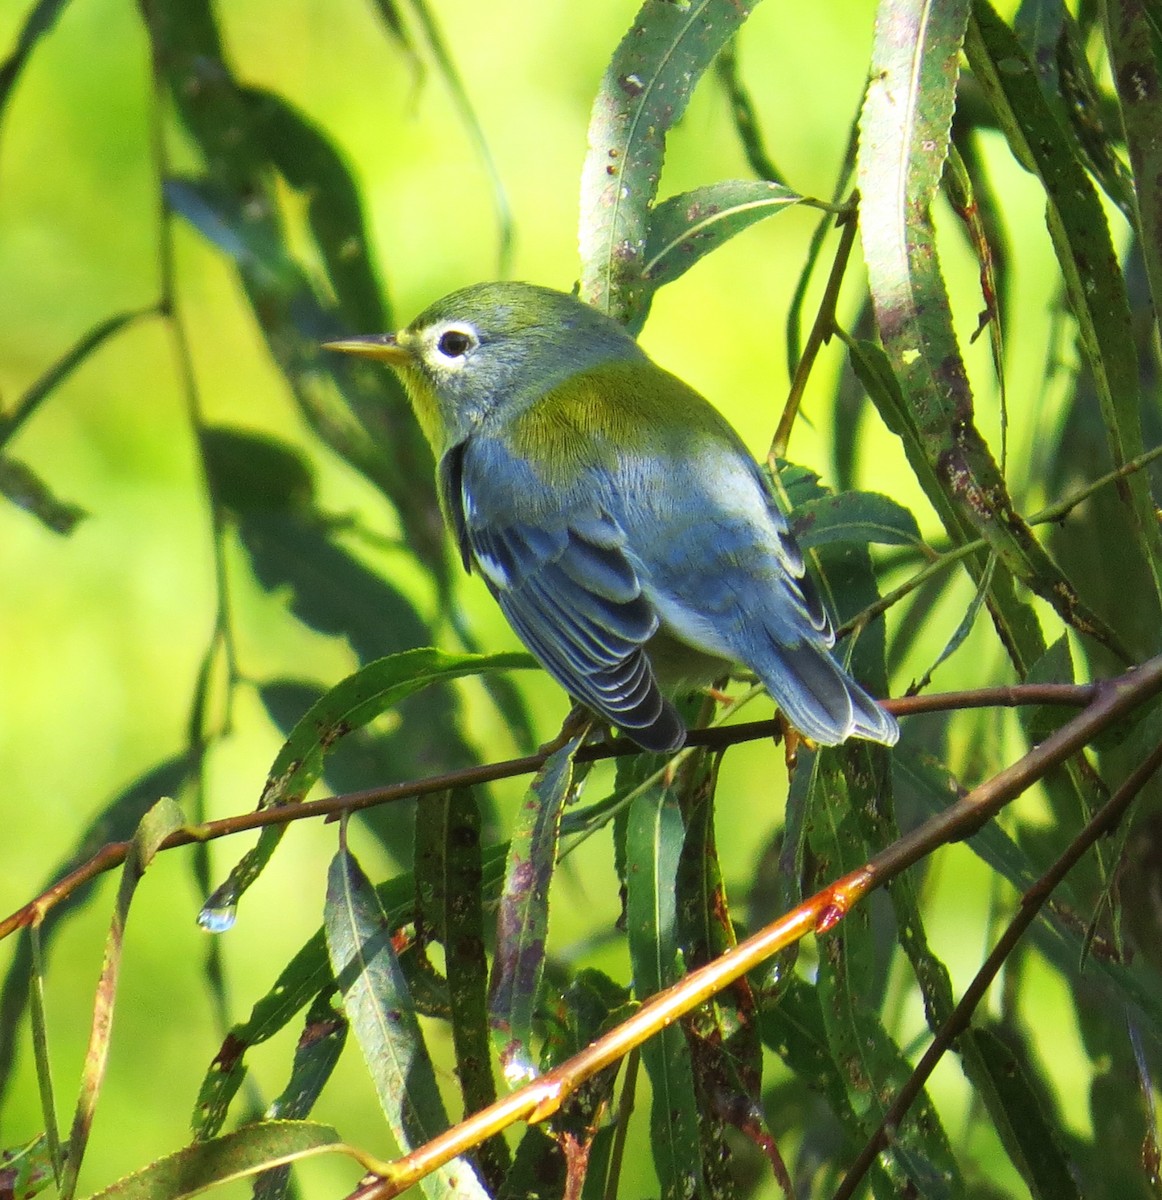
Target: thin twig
x=821 y=912
x=113 y=854
x=821 y=332
x=1102 y=822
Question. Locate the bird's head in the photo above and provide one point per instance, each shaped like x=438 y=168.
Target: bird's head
x=491 y=349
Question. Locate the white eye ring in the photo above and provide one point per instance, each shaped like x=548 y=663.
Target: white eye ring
x=455 y=342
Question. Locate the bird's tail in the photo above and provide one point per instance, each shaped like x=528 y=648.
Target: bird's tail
x=820 y=699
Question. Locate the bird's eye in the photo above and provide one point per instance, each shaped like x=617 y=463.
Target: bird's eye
x=454 y=343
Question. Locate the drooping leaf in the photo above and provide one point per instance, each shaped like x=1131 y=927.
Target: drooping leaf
x=204 y=1165
x=523 y=920
x=316 y=1054
x=1085 y=252
x=306 y=976
x=653 y=847
x=643 y=92
x=450 y=902
x=358 y=699
x=157 y=824
x=379 y=1008
x=686 y=228
x=904 y=142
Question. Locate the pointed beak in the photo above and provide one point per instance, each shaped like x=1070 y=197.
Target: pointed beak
x=383 y=347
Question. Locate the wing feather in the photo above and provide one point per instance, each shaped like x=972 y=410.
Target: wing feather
x=570 y=593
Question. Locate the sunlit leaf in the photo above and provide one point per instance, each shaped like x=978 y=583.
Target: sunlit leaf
x=236 y=1155
x=378 y=1005
x=859 y=517
x=686 y=228
x=157 y=824
x=357 y=700
x=1085 y=252
x=523 y=920
x=644 y=91
x=653 y=848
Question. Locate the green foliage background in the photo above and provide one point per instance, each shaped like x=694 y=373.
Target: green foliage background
x=102 y=631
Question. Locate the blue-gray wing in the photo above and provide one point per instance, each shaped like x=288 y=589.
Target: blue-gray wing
x=566 y=587
x=725 y=575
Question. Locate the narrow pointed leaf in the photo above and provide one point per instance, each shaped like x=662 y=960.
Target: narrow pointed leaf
x=1085 y=252
x=316 y=1054
x=850 y=994
x=522 y=923
x=686 y=228
x=236 y=1155
x=653 y=848
x=157 y=824
x=644 y=91
x=307 y=975
x=904 y=143
x=379 y=1008
x=1133 y=50
x=450 y=903
x=353 y=703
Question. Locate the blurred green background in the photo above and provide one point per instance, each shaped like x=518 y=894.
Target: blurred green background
x=101 y=632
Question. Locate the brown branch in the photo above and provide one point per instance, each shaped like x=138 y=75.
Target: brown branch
x=717 y=738
x=821 y=330
x=540 y=1099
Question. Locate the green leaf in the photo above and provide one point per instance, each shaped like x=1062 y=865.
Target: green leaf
x=349 y=705
x=1032 y=1136
x=361 y=698
x=158 y=823
x=25 y=1171
x=1133 y=51
x=20 y=484
x=686 y=228
x=903 y=147
x=450 y=907
x=357 y=409
x=644 y=91
x=851 y=991
x=858 y=517
x=653 y=848
x=316 y=1055
x=306 y=976
x=1085 y=252
x=379 y=1007
x=114 y=822
x=236 y=1155
x=522 y=923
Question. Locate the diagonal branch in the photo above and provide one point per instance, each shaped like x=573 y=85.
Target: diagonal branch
x=112 y=855
x=540 y=1099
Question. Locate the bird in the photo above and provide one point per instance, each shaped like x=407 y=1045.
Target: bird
x=618 y=519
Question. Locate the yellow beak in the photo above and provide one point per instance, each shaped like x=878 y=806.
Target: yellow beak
x=383 y=347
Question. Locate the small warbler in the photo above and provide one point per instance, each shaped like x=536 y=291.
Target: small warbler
x=617 y=518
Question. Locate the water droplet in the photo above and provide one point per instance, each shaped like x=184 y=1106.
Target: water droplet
x=214 y=919
x=516 y=1066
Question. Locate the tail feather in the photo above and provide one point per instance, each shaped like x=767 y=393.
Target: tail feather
x=821 y=700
